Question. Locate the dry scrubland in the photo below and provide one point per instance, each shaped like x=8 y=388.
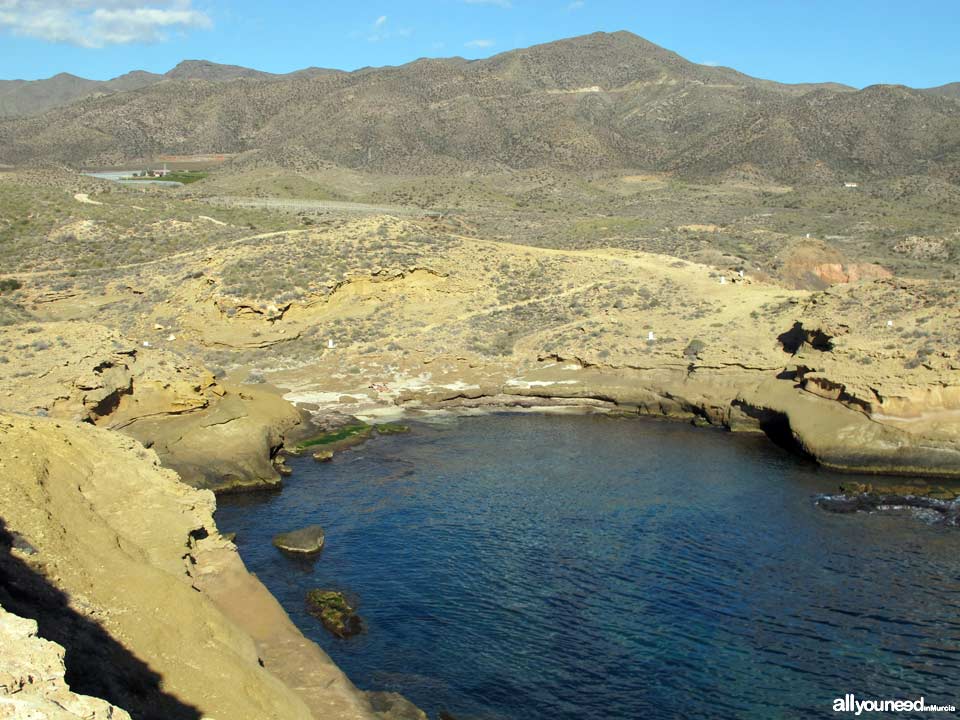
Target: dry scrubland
x=177 y=319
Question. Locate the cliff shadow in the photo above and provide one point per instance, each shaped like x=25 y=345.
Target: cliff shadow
x=96 y=664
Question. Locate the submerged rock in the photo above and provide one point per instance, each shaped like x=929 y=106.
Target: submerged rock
x=937 y=503
x=333 y=610
x=305 y=541
x=391 y=428
x=394 y=706
x=323 y=455
x=339 y=438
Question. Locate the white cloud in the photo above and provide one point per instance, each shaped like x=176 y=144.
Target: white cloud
x=381 y=30
x=479 y=43
x=498 y=3
x=95 y=23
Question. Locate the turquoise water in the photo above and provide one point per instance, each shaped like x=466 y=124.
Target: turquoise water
x=534 y=567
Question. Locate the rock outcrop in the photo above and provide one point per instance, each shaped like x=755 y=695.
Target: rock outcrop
x=840 y=437
x=32 y=683
x=216 y=436
x=121 y=564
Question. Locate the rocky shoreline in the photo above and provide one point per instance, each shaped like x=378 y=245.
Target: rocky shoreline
x=119 y=562
x=829 y=432
x=179 y=366
x=225 y=436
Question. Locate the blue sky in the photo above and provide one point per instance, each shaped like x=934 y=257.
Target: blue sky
x=851 y=41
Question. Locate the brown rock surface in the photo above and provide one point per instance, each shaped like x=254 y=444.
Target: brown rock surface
x=842 y=438
x=216 y=436
x=32 y=683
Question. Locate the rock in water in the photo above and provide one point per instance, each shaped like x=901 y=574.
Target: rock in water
x=306 y=541
x=333 y=610
x=323 y=455
x=393 y=706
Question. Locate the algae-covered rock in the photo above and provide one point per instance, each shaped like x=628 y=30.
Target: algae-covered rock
x=339 y=438
x=391 y=428
x=323 y=455
x=333 y=610
x=305 y=541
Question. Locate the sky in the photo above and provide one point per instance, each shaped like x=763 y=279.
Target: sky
x=855 y=42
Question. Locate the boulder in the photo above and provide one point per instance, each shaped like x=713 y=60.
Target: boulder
x=305 y=541
x=394 y=706
x=323 y=455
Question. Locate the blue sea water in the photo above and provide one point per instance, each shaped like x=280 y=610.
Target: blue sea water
x=531 y=567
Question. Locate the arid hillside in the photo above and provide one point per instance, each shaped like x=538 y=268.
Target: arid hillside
x=592 y=102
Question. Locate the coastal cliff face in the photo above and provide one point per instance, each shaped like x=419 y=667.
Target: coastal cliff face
x=121 y=564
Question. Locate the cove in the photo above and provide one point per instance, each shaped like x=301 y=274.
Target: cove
x=533 y=567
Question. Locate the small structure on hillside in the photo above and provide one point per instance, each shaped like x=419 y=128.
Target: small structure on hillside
x=851 y=184
x=651 y=337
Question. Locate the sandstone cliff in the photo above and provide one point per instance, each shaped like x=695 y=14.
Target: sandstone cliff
x=122 y=565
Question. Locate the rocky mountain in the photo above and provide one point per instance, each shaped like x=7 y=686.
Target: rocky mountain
x=25 y=97
x=213 y=72
x=29 y=97
x=948 y=90
x=597 y=101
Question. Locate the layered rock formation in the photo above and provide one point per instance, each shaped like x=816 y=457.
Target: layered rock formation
x=215 y=435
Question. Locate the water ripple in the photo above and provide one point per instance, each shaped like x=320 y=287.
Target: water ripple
x=572 y=567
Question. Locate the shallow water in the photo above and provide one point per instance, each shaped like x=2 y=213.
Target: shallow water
x=534 y=567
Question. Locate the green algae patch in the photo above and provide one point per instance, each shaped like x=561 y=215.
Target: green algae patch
x=340 y=438
x=333 y=610
x=391 y=428
x=346 y=436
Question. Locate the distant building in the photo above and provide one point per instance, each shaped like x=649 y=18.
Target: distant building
x=851 y=184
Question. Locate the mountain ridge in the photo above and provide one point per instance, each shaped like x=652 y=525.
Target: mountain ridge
x=596 y=101
x=202 y=69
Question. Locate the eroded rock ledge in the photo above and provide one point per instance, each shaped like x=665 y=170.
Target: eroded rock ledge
x=216 y=435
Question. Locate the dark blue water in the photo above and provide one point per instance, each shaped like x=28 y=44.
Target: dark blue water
x=536 y=568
